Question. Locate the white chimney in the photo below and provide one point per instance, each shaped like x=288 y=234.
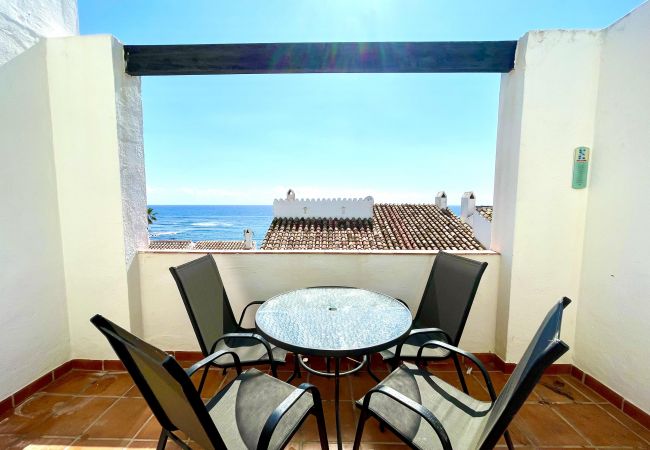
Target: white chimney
x=441 y=200
x=291 y=195
x=467 y=206
x=248 y=239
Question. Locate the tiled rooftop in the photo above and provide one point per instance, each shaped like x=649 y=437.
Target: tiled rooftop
x=92 y=410
x=393 y=227
x=169 y=245
x=219 y=245
x=485 y=211
x=200 y=245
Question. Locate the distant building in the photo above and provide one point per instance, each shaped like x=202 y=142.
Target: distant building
x=479 y=218
x=246 y=244
x=360 y=224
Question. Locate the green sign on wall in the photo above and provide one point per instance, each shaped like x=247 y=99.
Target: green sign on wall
x=580 y=167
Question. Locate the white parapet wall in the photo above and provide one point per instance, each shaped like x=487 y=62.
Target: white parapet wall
x=324 y=208
x=260 y=275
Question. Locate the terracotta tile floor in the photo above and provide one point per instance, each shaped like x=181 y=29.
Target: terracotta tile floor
x=103 y=410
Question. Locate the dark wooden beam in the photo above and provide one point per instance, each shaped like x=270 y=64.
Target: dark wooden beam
x=329 y=57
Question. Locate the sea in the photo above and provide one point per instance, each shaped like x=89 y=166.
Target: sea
x=214 y=222
x=210 y=222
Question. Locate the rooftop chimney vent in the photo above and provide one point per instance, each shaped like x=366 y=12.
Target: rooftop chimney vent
x=467 y=206
x=248 y=239
x=441 y=200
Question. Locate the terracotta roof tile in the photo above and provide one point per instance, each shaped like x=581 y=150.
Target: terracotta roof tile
x=485 y=211
x=219 y=245
x=393 y=227
x=169 y=245
x=200 y=245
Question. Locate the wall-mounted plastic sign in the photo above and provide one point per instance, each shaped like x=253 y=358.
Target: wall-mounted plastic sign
x=580 y=167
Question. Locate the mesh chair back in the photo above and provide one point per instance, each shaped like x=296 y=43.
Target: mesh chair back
x=449 y=294
x=205 y=299
x=164 y=385
x=545 y=348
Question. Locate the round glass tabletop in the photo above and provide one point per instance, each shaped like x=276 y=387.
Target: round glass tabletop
x=333 y=321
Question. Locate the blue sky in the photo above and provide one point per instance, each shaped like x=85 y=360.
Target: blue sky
x=246 y=139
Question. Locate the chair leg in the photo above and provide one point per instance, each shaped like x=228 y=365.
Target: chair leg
x=322 y=432
x=274 y=370
x=162 y=440
x=203 y=378
x=360 y=425
x=296 y=369
x=460 y=373
x=509 y=443
x=370 y=372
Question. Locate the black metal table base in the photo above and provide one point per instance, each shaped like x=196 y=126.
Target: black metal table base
x=337 y=374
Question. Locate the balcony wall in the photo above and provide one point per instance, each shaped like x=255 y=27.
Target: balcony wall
x=612 y=333
x=260 y=275
x=34 y=321
x=73 y=186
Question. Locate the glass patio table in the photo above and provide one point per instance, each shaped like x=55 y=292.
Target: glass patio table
x=334 y=322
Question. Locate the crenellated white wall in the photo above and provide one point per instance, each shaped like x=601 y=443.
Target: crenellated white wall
x=612 y=335
x=25 y=22
x=261 y=275
x=324 y=208
x=34 y=322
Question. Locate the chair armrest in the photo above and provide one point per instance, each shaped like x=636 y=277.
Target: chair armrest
x=284 y=407
x=243 y=313
x=208 y=359
x=254 y=336
x=471 y=357
x=398 y=350
x=413 y=406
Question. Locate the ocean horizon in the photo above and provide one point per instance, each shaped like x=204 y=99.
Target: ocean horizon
x=215 y=222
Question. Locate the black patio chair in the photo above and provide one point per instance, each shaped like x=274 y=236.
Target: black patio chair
x=443 y=311
x=254 y=410
x=213 y=320
x=428 y=413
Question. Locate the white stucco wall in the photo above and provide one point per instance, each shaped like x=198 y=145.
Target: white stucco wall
x=100 y=182
x=511 y=95
x=482 y=229
x=24 y=22
x=33 y=322
x=261 y=275
x=357 y=208
x=612 y=335
x=540 y=229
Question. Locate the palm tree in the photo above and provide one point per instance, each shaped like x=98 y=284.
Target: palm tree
x=151 y=216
